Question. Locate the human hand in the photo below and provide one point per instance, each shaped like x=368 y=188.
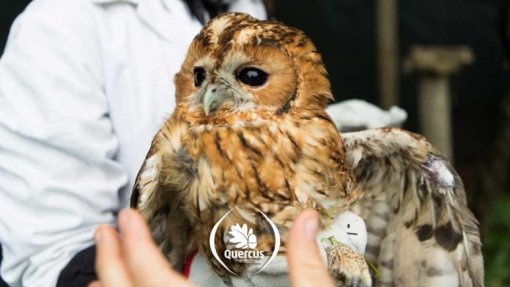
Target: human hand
x=135 y=260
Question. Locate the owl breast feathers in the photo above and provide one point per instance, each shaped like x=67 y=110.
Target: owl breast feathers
x=249 y=132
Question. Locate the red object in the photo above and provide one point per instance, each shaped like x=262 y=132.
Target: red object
x=187 y=264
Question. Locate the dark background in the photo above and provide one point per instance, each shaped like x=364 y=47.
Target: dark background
x=344 y=31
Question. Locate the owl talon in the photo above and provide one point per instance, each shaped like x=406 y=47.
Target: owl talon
x=347 y=267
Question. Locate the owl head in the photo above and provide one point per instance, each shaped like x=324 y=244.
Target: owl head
x=238 y=63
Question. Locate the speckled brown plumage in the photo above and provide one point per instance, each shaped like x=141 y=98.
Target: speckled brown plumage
x=272 y=147
x=420 y=230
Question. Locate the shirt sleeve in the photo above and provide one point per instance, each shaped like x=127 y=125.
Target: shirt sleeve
x=254 y=8
x=58 y=176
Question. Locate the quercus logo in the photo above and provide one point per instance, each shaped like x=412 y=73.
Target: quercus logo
x=242 y=236
x=241 y=245
x=245 y=249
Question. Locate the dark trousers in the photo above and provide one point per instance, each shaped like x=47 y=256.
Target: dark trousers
x=2 y=283
x=80 y=271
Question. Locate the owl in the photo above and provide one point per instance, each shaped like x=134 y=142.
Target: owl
x=250 y=133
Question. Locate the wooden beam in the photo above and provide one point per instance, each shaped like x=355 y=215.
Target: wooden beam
x=387 y=54
x=435 y=65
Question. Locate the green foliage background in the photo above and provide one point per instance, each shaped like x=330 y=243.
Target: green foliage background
x=496 y=239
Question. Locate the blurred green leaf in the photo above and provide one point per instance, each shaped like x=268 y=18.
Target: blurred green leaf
x=496 y=240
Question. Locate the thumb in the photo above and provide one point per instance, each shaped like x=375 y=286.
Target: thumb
x=306 y=267
x=144 y=260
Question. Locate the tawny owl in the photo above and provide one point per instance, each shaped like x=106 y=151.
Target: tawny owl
x=250 y=132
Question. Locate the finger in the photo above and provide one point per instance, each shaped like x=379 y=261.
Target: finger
x=109 y=261
x=306 y=267
x=145 y=261
x=95 y=284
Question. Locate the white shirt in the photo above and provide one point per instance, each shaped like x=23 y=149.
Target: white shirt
x=84 y=86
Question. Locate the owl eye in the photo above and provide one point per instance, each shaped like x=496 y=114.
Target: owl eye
x=252 y=76
x=199 y=76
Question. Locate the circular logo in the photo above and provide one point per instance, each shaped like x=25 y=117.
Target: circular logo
x=242 y=243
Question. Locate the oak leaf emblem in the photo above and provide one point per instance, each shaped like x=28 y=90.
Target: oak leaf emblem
x=242 y=236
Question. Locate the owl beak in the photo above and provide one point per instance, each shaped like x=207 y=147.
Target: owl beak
x=211 y=99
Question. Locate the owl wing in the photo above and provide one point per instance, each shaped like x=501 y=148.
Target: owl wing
x=158 y=191
x=420 y=230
